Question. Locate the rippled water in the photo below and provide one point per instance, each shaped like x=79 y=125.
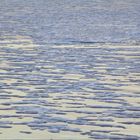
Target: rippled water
x=68 y=91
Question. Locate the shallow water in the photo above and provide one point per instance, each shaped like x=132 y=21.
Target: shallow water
x=68 y=91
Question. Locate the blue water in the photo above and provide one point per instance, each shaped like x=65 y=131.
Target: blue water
x=72 y=21
x=70 y=69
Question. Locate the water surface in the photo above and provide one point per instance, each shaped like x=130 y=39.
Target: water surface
x=68 y=91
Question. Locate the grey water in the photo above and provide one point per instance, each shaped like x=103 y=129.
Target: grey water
x=69 y=69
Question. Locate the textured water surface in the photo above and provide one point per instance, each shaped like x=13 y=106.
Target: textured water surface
x=58 y=77
x=72 y=21
x=68 y=91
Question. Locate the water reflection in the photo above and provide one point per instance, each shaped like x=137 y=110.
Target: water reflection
x=68 y=91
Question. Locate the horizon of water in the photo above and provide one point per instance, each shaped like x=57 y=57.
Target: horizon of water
x=70 y=22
